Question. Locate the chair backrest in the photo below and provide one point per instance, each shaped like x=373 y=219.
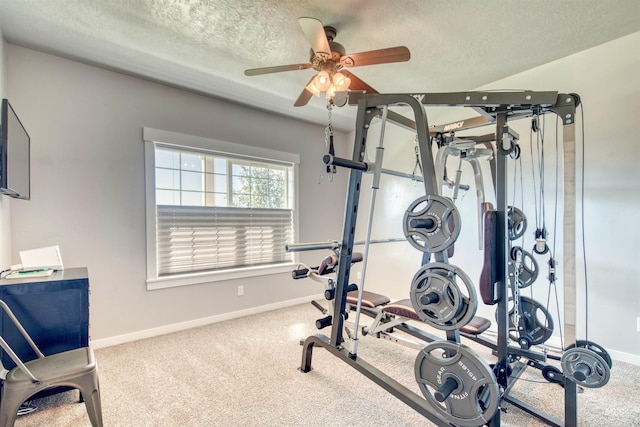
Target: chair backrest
x=3 y=371
x=5 y=346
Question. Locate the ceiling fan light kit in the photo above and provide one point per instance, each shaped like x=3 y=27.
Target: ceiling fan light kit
x=330 y=84
x=341 y=82
x=329 y=59
x=322 y=82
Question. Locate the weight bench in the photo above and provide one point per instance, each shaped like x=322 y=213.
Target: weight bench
x=389 y=315
x=369 y=299
x=386 y=315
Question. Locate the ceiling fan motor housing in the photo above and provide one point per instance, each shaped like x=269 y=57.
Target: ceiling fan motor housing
x=330 y=32
x=337 y=50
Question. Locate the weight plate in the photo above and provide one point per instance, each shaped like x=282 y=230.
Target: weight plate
x=474 y=399
x=585 y=367
x=538 y=322
x=431 y=223
x=435 y=296
x=452 y=312
x=517 y=222
x=600 y=351
x=528 y=272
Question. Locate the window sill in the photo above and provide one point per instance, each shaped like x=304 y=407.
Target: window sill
x=209 y=277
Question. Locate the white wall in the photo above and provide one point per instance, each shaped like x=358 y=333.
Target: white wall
x=88 y=197
x=606 y=78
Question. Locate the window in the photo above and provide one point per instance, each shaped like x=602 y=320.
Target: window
x=216 y=210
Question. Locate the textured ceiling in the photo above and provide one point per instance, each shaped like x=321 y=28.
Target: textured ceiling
x=205 y=45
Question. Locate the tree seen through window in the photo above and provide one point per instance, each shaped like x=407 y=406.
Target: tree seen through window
x=259 y=186
x=198 y=179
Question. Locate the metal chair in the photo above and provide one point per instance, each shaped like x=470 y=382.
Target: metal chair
x=74 y=368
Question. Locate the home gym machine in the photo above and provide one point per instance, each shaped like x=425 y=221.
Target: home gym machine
x=459 y=388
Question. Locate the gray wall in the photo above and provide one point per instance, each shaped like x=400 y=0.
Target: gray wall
x=5 y=203
x=88 y=196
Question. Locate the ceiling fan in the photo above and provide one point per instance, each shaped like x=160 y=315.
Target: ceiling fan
x=330 y=60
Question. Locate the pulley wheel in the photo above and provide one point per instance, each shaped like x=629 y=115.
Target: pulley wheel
x=528 y=272
x=553 y=374
x=457 y=383
x=447 y=277
x=517 y=222
x=538 y=322
x=431 y=223
x=585 y=367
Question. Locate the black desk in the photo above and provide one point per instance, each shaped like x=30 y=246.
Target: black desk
x=54 y=310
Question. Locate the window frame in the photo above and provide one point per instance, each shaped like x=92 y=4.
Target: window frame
x=151 y=137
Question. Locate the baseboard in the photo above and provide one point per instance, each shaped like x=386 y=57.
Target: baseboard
x=621 y=356
x=176 y=327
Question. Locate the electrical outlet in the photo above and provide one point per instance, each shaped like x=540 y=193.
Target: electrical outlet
x=638 y=324
x=240 y=291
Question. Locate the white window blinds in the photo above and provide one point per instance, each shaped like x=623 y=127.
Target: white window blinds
x=212 y=238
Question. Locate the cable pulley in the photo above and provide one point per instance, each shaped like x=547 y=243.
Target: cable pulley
x=553 y=374
x=541 y=246
x=515 y=154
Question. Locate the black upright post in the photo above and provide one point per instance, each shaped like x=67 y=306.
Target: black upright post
x=364 y=117
x=503 y=145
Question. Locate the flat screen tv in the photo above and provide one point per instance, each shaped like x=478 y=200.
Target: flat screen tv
x=14 y=155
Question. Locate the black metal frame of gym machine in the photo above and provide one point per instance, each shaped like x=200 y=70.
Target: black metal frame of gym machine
x=494 y=108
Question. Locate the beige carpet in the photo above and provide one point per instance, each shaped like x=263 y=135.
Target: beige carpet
x=245 y=373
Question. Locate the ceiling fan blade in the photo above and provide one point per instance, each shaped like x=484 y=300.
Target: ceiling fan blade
x=306 y=94
x=379 y=56
x=276 y=69
x=357 y=84
x=314 y=32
